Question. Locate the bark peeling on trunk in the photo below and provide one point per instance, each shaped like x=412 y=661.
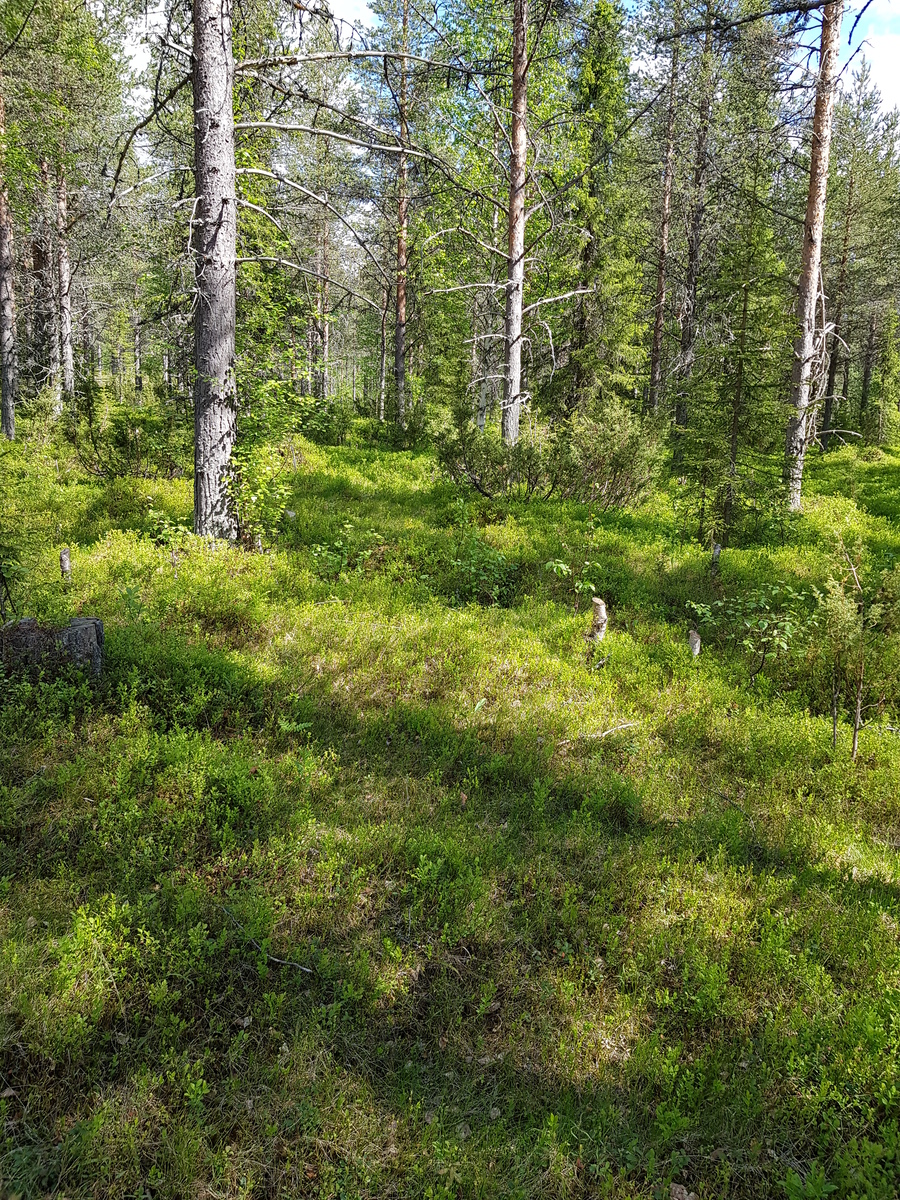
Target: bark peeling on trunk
x=515 y=283
x=215 y=239
x=402 y=233
x=797 y=435
x=9 y=371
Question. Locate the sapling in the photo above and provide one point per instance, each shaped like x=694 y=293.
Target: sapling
x=857 y=620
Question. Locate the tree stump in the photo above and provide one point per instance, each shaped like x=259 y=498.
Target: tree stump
x=27 y=647
x=600 y=621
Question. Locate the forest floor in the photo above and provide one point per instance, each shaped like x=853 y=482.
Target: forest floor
x=358 y=876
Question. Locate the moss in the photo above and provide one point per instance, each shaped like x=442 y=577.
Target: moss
x=571 y=929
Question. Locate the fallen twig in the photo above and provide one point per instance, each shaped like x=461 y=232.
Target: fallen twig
x=281 y=962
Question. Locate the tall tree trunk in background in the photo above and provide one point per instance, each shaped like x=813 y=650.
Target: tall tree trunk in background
x=138 y=365
x=215 y=241
x=694 y=246
x=868 y=367
x=737 y=406
x=9 y=367
x=64 y=280
x=835 y=355
x=659 y=316
x=45 y=342
x=515 y=279
x=402 y=233
x=320 y=385
x=382 y=355
x=810 y=261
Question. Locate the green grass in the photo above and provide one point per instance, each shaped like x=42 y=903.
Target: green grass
x=569 y=931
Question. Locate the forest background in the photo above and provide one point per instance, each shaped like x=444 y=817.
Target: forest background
x=344 y=372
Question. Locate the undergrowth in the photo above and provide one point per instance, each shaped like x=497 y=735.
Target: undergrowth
x=358 y=875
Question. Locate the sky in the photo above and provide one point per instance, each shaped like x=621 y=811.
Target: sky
x=878 y=33
x=877 y=36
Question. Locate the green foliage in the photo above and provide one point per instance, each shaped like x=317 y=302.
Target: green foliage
x=764 y=622
x=604 y=456
x=364 y=799
x=128 y=434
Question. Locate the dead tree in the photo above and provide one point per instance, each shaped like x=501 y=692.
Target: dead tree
x=797 y=436
x=515 y=284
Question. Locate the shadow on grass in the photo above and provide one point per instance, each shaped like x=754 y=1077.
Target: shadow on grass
x=508 y=992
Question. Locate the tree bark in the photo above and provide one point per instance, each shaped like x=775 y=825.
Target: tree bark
x=402 y=233
x=694 y=246
x=215 y=240
x=659 y=316
x=46 y=338
x=138 y=372
x=322 y=385
x=9 y=367
x=797 y=434
x=382 y=355
x=515 y=284
x=868 y=367
x=736 y=410
x=834 y=358
x=64 y=280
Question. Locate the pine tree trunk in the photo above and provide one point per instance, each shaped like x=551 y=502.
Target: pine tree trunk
x=215 y=240
x=835 y=356
x=9 y=372
x=659 y=316
x=797 y=434
x=515 y=284
x=694 y=246
x=9 y=366
x=382 y=360
x=64 y=280
x=402 y=235
x=868 y=367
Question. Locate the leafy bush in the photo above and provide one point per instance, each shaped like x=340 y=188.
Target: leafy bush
x=606 y=456
x=117 y=436
x=764 y=622
x=259 y=489
x=325 y=421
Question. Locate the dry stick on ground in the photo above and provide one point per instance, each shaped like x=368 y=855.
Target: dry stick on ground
x=281 y=962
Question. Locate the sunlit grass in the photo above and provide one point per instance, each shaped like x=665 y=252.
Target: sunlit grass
x=571 y=929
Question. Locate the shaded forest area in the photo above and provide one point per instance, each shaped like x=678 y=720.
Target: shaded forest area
x=478 y=432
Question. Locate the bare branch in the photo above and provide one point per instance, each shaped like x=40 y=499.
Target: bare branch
x=721 y=25
x=28 y=17
x=157 y=108
x=319 y=200
x=556 y=299
x=285 y=262
x=284 y=127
